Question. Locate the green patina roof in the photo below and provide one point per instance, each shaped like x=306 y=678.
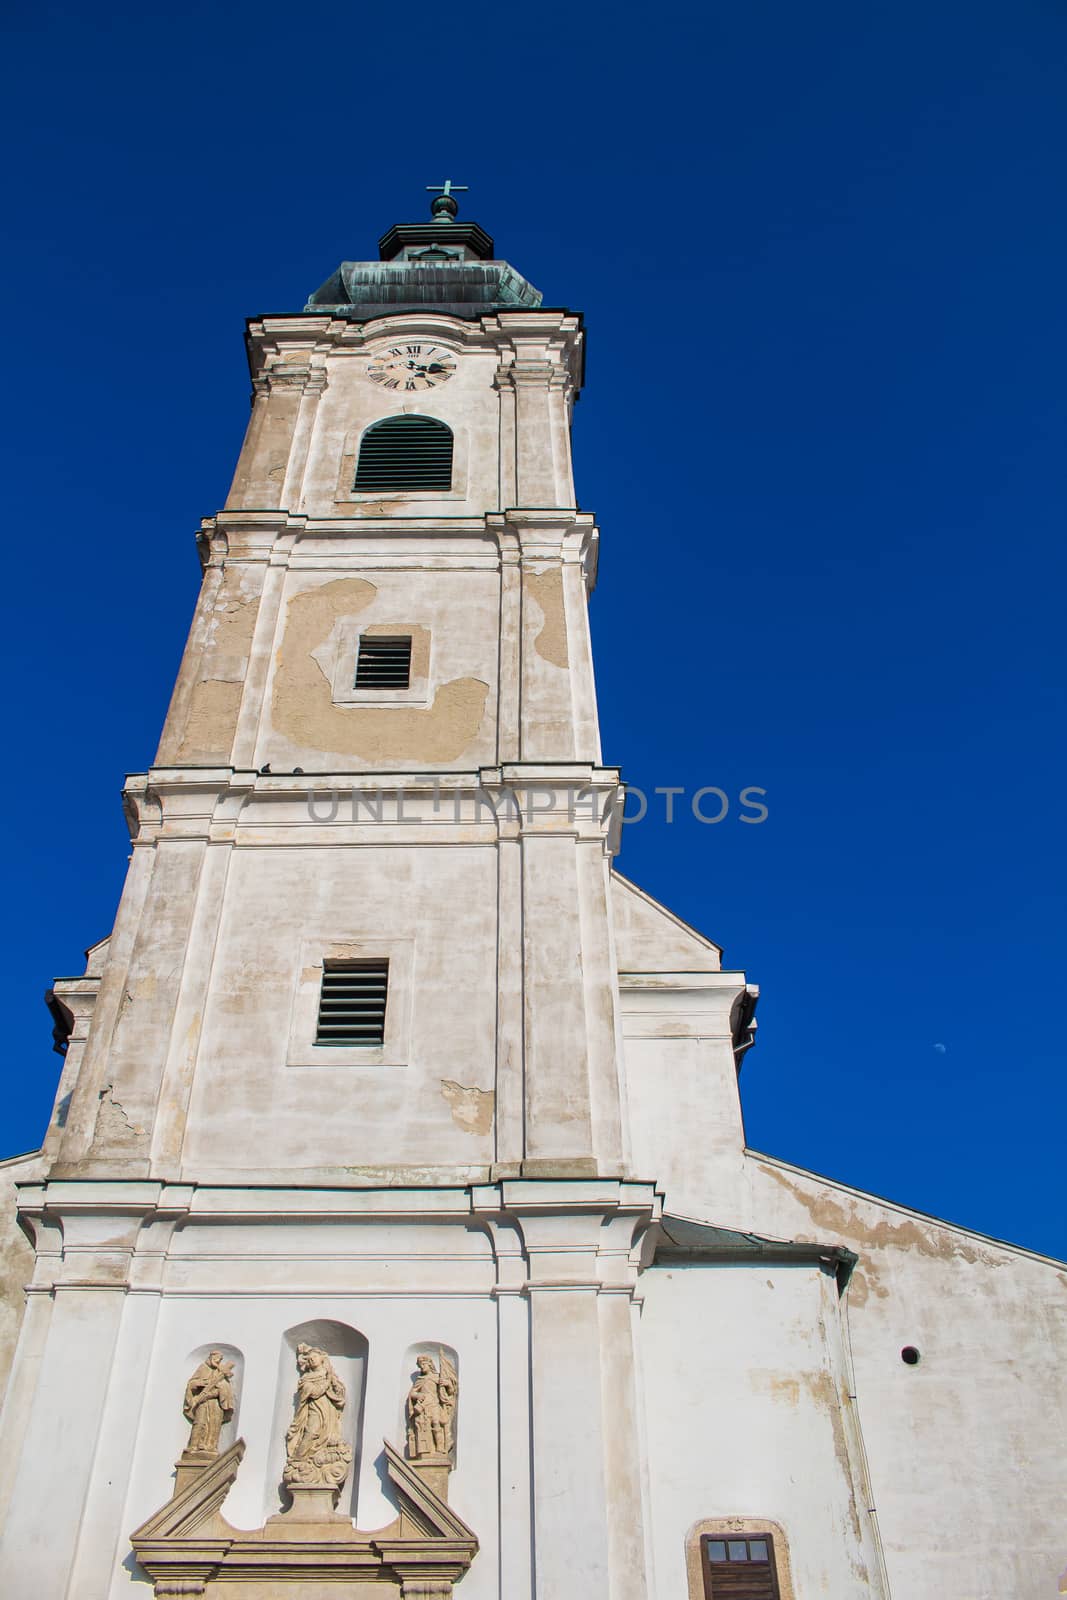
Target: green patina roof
x=440 y=265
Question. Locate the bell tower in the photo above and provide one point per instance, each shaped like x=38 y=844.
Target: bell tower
x=382 y=747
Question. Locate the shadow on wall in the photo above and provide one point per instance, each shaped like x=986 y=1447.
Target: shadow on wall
x=347 y=1350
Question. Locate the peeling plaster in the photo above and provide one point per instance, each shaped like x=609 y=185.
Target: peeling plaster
x=472 y=1109
x=546 y=588
x=831 y=1217
x=113 y=1126
x=303 y=707
x=214 y=703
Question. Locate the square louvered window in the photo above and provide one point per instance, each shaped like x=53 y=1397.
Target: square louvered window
x=383 y=663
x=739 y=1567
x=352 y=1003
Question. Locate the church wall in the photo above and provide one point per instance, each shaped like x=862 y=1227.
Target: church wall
x=262 y=1272
x=426 y=1097
x=680 y=1073
x=966 y=1447
x=690 y=1083
x=468 y=403
x=202 y=719
x=258 y=1327
x=315 y=718
x=746 y=1416
x=16 y=1256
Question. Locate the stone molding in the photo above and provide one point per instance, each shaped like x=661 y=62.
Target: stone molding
x=724 y=1527
x=215 y=804
x=188 y=1541
x=553 y=337
x=547 y=1233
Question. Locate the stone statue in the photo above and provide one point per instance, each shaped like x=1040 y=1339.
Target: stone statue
x=431 y=1409
x=317 y=1456
x=208 y=1402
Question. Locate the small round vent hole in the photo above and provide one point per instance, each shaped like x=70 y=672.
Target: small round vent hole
x=910 y=1356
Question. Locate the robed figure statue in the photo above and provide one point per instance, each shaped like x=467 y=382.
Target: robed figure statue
x=208 y=1402
x=317 y=1456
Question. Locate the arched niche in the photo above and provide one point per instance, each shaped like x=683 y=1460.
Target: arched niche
x=229 y=1352
x=434 y=1348
x=347 y=1350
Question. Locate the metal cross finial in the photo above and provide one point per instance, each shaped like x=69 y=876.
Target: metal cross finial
x=445 y=205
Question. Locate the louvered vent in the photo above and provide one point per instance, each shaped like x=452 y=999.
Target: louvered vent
x=383 y=663
x=352 y=1002
x=405 y=453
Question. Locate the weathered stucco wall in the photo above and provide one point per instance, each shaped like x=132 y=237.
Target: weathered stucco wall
x=16 y=1256
x=424 y=1100
x=448 y=718
x=966 y=1447
x=747 y=1414
x=202 y=720
x=649 y=938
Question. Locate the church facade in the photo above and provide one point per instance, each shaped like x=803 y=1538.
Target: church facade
x=395 y=1230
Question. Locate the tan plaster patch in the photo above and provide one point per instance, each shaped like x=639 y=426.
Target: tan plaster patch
x=547 y=589
x=768 y=1382
x=303 y=705
x=472 y=1109
x=211 y=718
x=847 y=1222
x=420 y=642
x=826 y=1396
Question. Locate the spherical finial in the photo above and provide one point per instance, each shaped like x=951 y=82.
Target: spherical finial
x=444 y=208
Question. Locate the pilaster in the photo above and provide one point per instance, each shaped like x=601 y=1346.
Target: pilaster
x=546 y=651
x=285 y=390
x=578 y=1242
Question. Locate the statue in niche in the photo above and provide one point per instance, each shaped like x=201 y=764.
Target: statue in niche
x=317 y=1456
x=431 y=1409
x=209 y=1402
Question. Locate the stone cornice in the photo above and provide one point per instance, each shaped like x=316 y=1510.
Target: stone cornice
x=223 y=805
x=536 y=347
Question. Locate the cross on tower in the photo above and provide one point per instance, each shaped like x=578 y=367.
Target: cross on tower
x=445 y=204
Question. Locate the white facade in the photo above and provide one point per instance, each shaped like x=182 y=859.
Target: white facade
x=541 y=1168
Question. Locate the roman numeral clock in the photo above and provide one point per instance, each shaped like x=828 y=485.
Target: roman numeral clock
x=411 y=367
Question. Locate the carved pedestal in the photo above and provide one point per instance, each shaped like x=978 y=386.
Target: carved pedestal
x=189 y=1465
x=434 y=1470
x=311 y=1505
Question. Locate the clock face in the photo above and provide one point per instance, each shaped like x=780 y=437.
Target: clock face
x=410 y=367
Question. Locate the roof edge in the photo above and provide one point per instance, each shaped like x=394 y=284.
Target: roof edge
x=908 y=1211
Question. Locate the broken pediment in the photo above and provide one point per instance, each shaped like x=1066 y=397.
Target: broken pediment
x=188 y=1541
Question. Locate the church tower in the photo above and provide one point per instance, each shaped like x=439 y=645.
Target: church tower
x=394 y=1231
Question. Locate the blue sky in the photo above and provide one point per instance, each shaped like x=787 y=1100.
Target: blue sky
x=821 y=252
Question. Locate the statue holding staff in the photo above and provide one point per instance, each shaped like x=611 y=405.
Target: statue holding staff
x=209 y=1402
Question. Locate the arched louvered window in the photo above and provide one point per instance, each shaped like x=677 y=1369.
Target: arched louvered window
x=405 y=453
